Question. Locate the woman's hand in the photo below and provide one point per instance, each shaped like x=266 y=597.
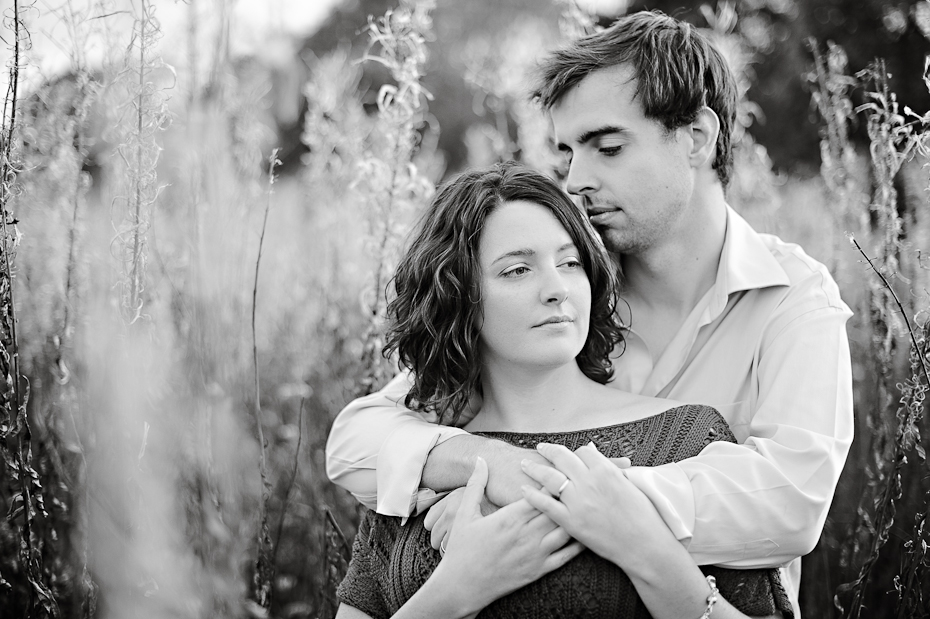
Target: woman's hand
x=487 y=557
x=603 y=510
x=598 y=505
x=441 y=516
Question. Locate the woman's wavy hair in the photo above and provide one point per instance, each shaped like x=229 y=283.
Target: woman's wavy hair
x=435 y=316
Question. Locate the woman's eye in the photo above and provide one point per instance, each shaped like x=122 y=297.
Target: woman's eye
x=572 y=263
x=515 y=271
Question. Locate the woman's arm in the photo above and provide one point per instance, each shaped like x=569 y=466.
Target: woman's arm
x=603 y=510
x=486 y=557
x=433 y=599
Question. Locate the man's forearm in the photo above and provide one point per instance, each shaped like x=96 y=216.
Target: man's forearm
x=732 y=506
x=377 y=448
x=449 y=465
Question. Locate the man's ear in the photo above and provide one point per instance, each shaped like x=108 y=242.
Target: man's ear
x=704 y=131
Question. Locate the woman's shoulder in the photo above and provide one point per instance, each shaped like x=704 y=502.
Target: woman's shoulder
x=607 y=405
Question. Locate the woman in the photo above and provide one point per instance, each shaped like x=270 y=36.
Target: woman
x=505 y=293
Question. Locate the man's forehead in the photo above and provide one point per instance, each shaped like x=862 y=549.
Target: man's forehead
x=601 y=100
x=620 y=78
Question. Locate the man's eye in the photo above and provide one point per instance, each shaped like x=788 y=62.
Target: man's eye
x=610 y=151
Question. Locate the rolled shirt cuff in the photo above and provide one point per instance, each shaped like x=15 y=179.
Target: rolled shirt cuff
x=669 y=489
x=400 y=466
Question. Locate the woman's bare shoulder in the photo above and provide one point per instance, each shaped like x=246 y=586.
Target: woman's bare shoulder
x=617 y=406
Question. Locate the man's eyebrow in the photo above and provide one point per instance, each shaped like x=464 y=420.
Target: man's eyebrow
x=593 y=134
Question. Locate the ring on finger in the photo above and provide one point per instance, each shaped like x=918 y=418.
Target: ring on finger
x=561 y=489
x=442 y=548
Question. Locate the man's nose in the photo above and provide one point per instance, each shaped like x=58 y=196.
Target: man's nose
x=579 y=180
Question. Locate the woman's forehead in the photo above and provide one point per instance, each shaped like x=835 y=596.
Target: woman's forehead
x=521 y=225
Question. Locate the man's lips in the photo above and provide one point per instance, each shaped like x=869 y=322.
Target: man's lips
x=593 y=211
x=602 y=218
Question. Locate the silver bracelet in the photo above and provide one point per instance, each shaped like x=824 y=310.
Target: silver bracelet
x=712 y=598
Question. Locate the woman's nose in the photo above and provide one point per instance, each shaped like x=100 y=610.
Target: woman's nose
x=554 y=290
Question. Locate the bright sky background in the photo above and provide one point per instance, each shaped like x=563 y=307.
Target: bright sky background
x=270 y=29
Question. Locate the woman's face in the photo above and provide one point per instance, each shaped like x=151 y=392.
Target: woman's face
x=535 y=292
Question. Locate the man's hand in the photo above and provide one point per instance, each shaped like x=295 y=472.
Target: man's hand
x=441 y=516
x=506 y=476
x=450 y=464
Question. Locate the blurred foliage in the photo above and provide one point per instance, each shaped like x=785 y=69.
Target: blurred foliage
x=143 y=438
x=776 y=33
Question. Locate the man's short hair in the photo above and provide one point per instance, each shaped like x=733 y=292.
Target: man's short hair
x=677 y=71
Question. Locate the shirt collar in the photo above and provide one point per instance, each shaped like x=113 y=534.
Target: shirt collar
x=745 y=263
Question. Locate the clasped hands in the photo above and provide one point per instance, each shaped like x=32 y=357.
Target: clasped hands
x=596 y=501
x=488 y=556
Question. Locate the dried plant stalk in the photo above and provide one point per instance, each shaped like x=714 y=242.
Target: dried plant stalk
x=392 y=186
x=15 y=433
x=915 y=564
x=907 y=438
x=893 y=140
x=831 y=89
x=139 y=152
x=911 y=583
x=264 y=564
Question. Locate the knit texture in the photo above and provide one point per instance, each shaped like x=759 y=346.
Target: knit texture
x=390 y=562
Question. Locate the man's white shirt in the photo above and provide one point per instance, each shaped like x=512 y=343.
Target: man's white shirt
x=766 y=346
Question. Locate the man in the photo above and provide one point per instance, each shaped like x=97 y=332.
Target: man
x=719 y=315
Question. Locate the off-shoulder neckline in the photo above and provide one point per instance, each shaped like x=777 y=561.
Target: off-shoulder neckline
x=599 y=428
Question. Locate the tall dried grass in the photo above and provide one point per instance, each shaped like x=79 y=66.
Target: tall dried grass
x=894 y=309
x=389 y=181
x=26 y=501
x=183 y=370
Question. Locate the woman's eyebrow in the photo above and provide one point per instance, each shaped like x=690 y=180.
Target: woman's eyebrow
x=516 y=252
x=530 y=252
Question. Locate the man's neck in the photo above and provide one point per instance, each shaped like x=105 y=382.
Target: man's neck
x=664 y=284
x=675 y=275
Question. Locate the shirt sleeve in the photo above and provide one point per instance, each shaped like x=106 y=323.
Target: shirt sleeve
x=377 y=449
x=764 y=502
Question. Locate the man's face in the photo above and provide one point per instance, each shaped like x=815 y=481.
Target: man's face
x=634 y=178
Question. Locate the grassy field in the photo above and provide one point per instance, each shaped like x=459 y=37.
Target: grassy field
x=183 y=313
